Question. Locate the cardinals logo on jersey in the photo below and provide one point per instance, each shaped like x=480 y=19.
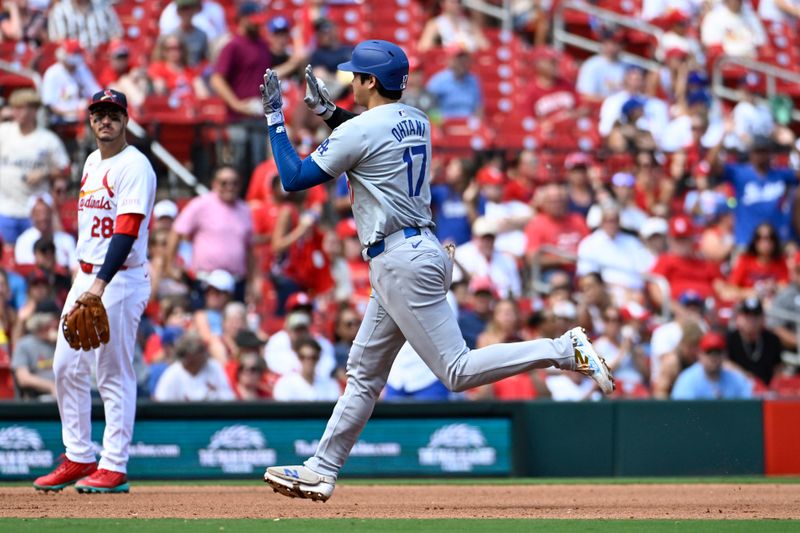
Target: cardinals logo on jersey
x=109 y=189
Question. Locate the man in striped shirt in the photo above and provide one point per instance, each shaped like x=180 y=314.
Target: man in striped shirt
x=90 y=22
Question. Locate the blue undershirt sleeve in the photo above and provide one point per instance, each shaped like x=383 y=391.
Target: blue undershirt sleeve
x=296 y=174
x=118 y=250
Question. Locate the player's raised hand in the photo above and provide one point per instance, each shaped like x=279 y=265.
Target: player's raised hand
x=317 y=97
x=271 y=98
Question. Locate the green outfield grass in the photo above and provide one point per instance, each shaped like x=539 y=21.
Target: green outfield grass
x=733 y=480
x=410 y=526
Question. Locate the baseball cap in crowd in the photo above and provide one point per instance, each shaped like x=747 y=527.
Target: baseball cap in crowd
x=482 y=285
x=24 y=97
x=632 y=104
x=634 y=311
x=698 y=96
x=484 y=226
x=653 y=226
x=691 y=297
x=761 y=143
x=222 y=280
x=623 y=179
x=750 y=306
x=678 y=53
x=165 y=208
x=697 y=77
x=37 y=275
x=109 y=97
x=577 y=159
x=279 y=24
x=323 y=25
x=298 y=300
x=252 y=11
x=490 y=175
x=346 y=229
x=712 y=342
x=565 y=309
x=71 y=47
x=118 y=48
x=246 y=339
x=681 y=226
x=40 y=197
x=297 y=320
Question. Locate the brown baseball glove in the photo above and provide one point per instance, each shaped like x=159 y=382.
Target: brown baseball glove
x=86 y=326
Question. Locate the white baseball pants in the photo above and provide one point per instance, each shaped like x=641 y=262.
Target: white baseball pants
x=124 y=299
x=410 y=282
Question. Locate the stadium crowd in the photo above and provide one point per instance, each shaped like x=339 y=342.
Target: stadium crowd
x=578 y=190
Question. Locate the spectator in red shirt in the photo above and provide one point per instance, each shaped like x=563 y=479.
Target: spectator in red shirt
x=237 y=74
x=683 y=267
x=549 y=98
x=761 y=270
x=170 y=73
x=553 y=225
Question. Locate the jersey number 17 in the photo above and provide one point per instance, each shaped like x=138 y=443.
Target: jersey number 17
x=408 y=157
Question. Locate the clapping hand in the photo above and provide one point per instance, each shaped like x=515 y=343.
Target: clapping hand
x=317 y=97
x=271 y=98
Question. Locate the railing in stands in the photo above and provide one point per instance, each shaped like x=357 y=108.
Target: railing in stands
x=540 y=286
x=503 y=14
x=174 y=167
x=562 y=37
x=771 y=74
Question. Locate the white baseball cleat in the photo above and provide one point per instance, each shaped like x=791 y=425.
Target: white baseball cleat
x=589 y=363
x=299 y=482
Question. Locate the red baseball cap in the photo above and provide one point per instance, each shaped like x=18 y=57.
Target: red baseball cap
x=681 y=226
x=576 y=159
x=346 y=228
x=71 y=46
x=298 y=299
x=490 y=175
x=675 y=52
x=712 y=341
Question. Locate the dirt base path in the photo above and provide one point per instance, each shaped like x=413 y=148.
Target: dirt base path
x=445 y=501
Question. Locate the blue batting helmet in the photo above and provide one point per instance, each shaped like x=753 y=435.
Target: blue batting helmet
x=384 y=60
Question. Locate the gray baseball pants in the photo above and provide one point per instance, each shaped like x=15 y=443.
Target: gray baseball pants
x=409 y=281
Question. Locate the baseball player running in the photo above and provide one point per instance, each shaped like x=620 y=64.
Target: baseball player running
x=105 y=304
x=386 y=153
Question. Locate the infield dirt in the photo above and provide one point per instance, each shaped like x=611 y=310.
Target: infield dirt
x=724 y=501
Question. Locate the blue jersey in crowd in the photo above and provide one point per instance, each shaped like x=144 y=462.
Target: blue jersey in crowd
x=759 y=199
x=450 y=214
x=694 y=384
x=455 y=97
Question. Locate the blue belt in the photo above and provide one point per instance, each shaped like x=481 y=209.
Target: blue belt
x=379 y=247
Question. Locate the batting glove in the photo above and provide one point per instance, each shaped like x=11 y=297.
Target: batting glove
x=317 y=97
x=271 y=98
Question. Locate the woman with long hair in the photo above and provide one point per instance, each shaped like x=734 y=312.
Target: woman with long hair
x=761 y=269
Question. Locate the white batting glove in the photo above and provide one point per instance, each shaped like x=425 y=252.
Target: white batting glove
x=317 y=97
x=271 y=98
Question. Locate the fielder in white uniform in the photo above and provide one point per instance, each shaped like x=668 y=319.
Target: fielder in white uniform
x=115 y=203
x=386 y=153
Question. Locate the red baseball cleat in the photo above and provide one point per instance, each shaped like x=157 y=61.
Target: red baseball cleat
x=103 y=481
x=65 y=474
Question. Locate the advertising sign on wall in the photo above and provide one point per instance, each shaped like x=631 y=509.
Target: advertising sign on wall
x=183 y=449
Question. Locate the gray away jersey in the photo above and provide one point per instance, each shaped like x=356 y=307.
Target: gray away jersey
x=386 y=153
